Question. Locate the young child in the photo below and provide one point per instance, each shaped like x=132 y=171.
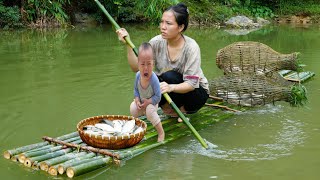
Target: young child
x=147 y=92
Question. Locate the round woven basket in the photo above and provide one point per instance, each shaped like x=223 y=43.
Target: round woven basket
x=110 y=142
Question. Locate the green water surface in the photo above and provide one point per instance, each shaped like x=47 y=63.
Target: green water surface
x=52 y=79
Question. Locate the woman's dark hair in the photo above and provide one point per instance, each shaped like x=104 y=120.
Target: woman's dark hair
x=181 y=14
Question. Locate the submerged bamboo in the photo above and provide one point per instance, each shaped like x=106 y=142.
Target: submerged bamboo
x=9 y=153
x=87 y=167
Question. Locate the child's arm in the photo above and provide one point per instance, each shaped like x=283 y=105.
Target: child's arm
x=155 y=84
x=136 y=91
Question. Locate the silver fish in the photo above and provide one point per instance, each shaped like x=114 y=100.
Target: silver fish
x=128 y=126
x=107 y=121
x=105 y=127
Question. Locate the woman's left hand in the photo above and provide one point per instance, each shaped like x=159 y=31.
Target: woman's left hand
x=166 y=88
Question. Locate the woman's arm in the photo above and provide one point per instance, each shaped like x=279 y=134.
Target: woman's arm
x=132 y=58
x=181 y=88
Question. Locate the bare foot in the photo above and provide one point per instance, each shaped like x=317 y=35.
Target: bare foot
x=161 y=137
x=160 y=131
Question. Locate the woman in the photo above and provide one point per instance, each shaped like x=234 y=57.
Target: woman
x=177 y=62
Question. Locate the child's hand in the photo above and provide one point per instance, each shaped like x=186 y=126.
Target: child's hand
x=138 y=103
x=145 y=103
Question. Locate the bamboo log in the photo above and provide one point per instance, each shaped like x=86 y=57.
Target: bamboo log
x=15 y=158
x=87 y=167
x=53 y=170
x=40 y=151
x=9 y=153
x=44 y=165
x=87 y=148
x=23 y=157
x=63 y=169
x=29 y=161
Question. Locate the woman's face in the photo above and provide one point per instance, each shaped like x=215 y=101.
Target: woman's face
x=169 y=27
x=145 y=64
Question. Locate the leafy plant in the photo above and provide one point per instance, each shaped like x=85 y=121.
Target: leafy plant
x=298 y=95
x=47 y=12
x=262 y=11
x=10 y=16
x=154 y=8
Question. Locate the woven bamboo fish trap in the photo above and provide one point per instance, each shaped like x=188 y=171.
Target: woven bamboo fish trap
x=255 y=90
x=111 y=142
x=253 y=57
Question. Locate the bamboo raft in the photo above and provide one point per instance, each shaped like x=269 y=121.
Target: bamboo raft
x=69 y=155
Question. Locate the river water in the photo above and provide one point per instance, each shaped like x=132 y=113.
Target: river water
x=52 y=79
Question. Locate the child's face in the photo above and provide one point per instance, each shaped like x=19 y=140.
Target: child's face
x=145 y=63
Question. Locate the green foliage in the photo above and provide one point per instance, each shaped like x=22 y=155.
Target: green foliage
x=262 y=11
x=153 y=10
x=10 y=16
x=46 y=11
x=307 y=9
x=57 y=12
x=298 y=95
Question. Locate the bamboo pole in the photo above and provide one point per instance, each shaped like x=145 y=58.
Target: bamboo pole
x=61 y=168
x=87 y=148
x=167 y=97
x=23 y=157
x=9 y=153
x=44 y=165
x=117 y=27
x=29 y=161
x=185 y=120
x=223 y=107
x=40 y=151
x=87 y=167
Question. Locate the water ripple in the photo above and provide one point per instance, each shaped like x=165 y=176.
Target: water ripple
x=282 y=143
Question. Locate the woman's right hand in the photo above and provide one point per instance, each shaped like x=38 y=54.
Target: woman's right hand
x=122 y=33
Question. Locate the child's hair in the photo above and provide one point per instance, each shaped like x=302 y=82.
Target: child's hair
x=145 y=46
x=181 y=14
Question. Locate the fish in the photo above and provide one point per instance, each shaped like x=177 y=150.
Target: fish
x=105 y=127
x=118 y=125
x=128 y=126
x=120 y=128
x=107 y=121
x=138 y=130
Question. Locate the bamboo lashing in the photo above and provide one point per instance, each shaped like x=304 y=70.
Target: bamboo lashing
x=87 y=148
